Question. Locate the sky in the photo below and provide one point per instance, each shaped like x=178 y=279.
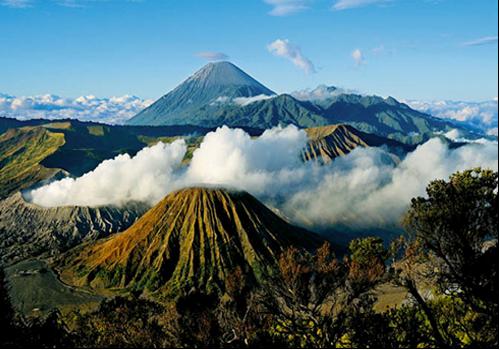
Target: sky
x=409 y=49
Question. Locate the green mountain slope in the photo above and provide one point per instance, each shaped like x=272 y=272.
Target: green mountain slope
x=282 y=109
x=192 y=239
x=21 y=152
x=385 y=117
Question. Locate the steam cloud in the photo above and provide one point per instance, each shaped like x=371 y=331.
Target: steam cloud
x=366 y=188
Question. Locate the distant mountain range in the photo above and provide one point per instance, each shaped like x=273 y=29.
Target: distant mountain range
x=222 y=94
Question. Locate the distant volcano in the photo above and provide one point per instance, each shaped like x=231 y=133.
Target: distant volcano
x=217 y=81
x=192 y=239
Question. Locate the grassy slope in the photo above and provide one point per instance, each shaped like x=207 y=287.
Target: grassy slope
x=35 y=289
x=21 y=152
x=194 y=237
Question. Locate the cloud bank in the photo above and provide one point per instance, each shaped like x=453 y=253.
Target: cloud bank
x=283 y=48
x=480 y=115
x=146 y=177
x=364 y=189
x=112 y=110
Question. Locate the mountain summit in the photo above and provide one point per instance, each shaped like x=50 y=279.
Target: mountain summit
x=193 y=238
x=215 y=82
x=225 y=74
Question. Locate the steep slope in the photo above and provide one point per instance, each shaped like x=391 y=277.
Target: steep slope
x=28 y=230
x=282 y=109
x=219 y=80
x=192 y=238
x=385 y=117
x=21 y=152
x=328 y=142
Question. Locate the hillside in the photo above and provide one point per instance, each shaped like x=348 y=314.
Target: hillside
x=27 y=230
x=328 y=142
x=193 y=238
x=382 y=116
x=21 y=152
x=282 y=109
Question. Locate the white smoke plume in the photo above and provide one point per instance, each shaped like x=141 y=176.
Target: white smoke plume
x=363 y=189
x=146 y=177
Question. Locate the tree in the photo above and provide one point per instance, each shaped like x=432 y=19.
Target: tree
x=315 y=299
x=453 y=245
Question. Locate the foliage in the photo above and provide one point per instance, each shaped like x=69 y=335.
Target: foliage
x=453 y=247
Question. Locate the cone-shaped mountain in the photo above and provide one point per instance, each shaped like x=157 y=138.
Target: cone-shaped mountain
x=193 y=238
x=218 y=80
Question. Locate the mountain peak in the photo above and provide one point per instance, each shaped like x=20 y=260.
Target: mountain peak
x=212 y=81
x=193 y=238
x=225 y=73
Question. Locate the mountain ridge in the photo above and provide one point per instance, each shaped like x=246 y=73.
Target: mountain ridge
x=200 y=100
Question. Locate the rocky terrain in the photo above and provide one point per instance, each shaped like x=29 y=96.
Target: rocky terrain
x=28 y=230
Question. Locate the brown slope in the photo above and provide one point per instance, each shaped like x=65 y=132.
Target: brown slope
x=192 y=238
x=329 y=142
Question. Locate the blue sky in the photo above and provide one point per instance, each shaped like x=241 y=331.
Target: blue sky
x=411 y=49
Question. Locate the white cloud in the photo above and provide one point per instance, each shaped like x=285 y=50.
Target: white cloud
x=212 y=55
x=287 y=7
x=481 y=115
x=364 y=189
x=16 y=3
x=320 y=93
x=243 y=101
x=240 y=101
x=113 y=110
x=349 y=4
x=482 y=41
x=283 y=48
x=358 y=58
x=145 y=177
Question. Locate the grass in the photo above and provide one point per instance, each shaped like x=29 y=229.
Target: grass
x=389 y=296
x=35 y=289
x=21 y=151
